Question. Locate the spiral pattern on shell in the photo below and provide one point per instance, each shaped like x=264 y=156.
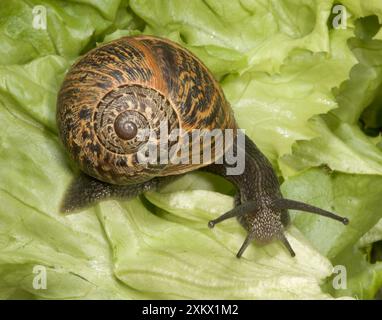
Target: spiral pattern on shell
x=136 y=106
x=130 y=84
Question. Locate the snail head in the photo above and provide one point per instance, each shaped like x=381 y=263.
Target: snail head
x=266 y=222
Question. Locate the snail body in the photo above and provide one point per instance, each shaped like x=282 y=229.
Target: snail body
x=137 y=83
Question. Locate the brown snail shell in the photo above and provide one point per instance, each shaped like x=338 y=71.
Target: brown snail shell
x=129 y=84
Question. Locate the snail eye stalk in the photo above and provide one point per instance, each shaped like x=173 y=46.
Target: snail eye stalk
x=245 y=244
x=300 y=206
x=235 y=212
x=286 y=243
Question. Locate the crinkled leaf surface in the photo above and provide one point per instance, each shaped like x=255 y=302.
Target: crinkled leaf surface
x=249 y=28
x=341 y=144
x=280 y=64
x=275 y=110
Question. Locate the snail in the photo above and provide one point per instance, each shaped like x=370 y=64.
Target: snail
x=135 y=83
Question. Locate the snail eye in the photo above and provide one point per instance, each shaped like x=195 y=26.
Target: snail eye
x=125 y=128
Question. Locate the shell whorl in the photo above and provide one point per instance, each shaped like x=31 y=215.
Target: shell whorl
x=130 y=84
x=141 y=107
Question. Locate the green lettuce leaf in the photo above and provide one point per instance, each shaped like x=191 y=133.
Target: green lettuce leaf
x=280 y=64
x=73 y=250
x=69 y=28
x=341 y=144
x=361 y=8
x=275 y=110
x=373 y=235
x=250 y=28
x=363 y=263
x=364 y=278
x=172 y=254
x=357 y=197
